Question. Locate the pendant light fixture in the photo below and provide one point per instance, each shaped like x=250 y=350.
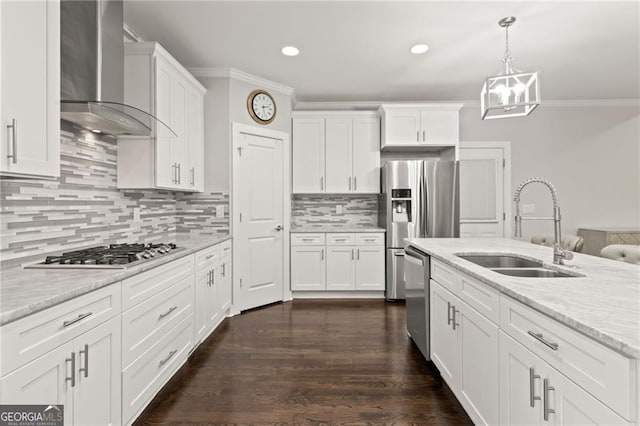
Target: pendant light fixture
x=512 y=93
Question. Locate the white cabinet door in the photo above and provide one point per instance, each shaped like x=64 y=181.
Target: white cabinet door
x=521 y=374
x=179 y=144
x=479 y=364
x=97 y=391
x=164 y=165
x=224 y=286
x=366 y=155
x=43 y=381
x=201 y=303
x=339 y=152
x=341 y=268
x=572 y=405
x=308 y=155
x=195 y=133
x=439 y=127
x=445 y=352
x=30 y=88
x=308 y=268
x=402 y=127
x=370 y=268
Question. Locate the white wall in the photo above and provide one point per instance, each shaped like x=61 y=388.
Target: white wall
x=591 y=155
x=226 y=102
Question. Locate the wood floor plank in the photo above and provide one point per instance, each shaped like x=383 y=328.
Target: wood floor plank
x=316 y=362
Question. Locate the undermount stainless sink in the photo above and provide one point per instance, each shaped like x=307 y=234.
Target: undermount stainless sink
x=515 y=266
x=501 y=261
x=532 y=272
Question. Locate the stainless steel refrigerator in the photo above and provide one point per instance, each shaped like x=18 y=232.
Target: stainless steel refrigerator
x=420 y=199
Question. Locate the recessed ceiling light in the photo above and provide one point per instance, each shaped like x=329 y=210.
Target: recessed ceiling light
x=96 y=131
x=419 y=48
x=290 y=51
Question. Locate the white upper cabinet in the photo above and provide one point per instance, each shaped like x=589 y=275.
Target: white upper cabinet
x=157 y=83
x=30 y=88
x=308 y=155
x=336 y=152
x=429 y=126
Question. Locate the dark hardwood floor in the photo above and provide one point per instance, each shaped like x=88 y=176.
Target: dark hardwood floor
x=309 y=362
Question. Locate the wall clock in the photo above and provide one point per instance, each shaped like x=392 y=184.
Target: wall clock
x=261 y=106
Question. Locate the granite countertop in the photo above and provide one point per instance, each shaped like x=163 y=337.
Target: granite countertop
x=25 y=291
x=604 y=303
x=328 y=227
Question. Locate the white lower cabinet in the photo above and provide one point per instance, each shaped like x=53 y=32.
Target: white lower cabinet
x=532 y=392
x=464 y=347
x=337 y=262
x=82 y=374
x=509 y=364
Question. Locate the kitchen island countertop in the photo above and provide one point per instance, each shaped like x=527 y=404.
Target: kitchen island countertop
x=25 y=291
x=603 y=304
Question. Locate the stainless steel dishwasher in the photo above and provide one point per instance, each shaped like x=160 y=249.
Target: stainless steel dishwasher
x=417 y=277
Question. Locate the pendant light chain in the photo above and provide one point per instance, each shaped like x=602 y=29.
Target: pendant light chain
x=507 y=55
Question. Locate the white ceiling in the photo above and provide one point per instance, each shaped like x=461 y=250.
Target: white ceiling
x=359 y=50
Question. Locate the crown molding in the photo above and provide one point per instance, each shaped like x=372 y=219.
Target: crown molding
x=574 y=103
x=130 y=34
x=235 y=74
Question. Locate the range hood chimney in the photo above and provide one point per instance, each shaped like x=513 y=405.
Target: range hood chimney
x=92 y=70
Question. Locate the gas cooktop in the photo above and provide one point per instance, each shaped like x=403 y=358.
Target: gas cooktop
x=114 y=256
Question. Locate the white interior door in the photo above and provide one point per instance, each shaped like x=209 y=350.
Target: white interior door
x=483 y=173
x=259 y=235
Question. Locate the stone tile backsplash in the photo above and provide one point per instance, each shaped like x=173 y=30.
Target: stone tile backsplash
x=357 y=210
x=84 y=207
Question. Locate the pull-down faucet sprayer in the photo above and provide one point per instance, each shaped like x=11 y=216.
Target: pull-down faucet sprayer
x=558 y=253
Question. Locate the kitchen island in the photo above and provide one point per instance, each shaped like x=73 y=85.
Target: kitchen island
x=524 y=349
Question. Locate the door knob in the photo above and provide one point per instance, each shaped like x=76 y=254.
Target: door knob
x=279 y=228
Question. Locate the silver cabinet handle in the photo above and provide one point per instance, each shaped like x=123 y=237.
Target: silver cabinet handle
x=545 y=403
x=209 y=278
x=341 y=239
x=85 y=351
x=424 y=138
x=357 y=254
x=173 y=173
x=539 y=337
x=307 y=239
x=179 y=177
x=224 y=269
x=455 y=324
x=322 y=183
x=352 y=254
x=532 y=388
x=193 y=176
x=213 y=277
x=417 y=135
x=322 y=254
x=75 y=320
x=278 y=228
x=171 y=354
x=14 y=140
x=72 y=379
x=171 y=309
x=349 y=183
x=210 y=256
x=449 y=306
x=355 y=183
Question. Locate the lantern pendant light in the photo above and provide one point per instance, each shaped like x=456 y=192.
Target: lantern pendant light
x=512 y=93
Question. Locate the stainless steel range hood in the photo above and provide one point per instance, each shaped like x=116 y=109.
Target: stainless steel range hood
x=92 y=70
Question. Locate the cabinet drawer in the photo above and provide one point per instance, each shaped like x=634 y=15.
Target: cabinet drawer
x=376 y=239
x=143 y=324
x=340 y=239
x=225 y=248
x=142 y=380
x=479 y=296
x=445 y=275
x=30 y=337
x=602 y=372
x=141 y=287
x=204 y=257
x=305 y=239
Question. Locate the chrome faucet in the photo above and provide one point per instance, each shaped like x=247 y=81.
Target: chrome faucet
x=559 y=254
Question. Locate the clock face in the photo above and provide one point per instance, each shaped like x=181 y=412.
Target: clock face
x=262 y=108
